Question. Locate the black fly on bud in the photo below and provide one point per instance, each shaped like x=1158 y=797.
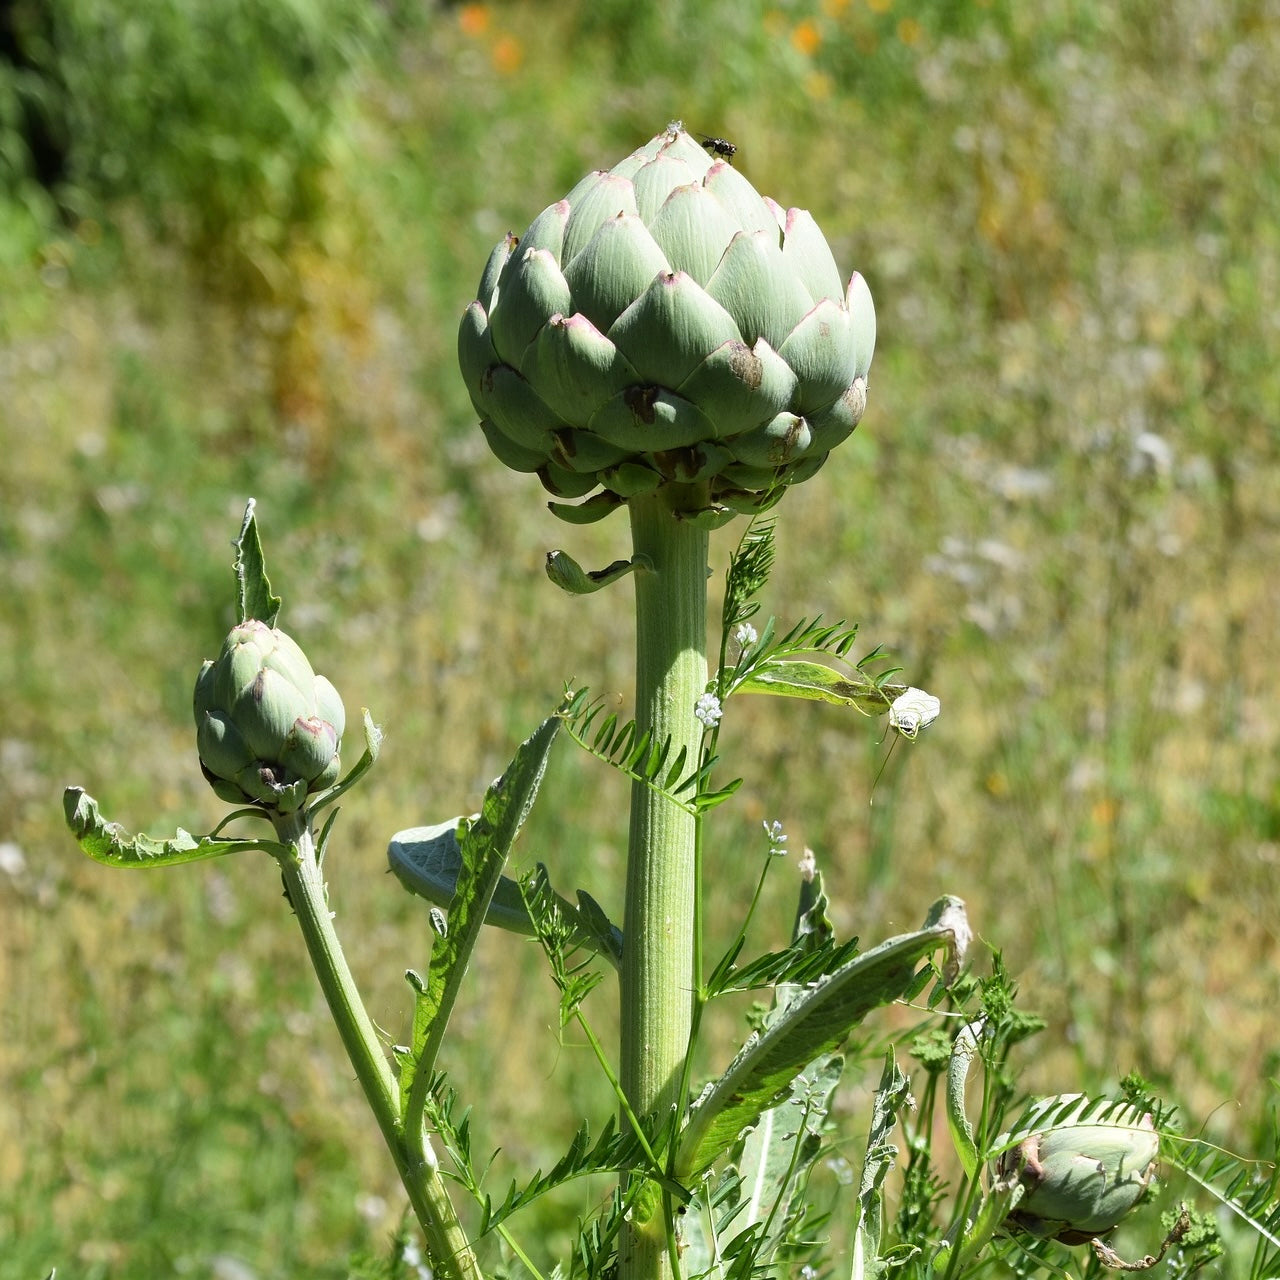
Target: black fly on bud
x=721 y=147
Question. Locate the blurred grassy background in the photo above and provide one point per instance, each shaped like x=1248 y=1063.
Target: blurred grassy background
x=235 y=241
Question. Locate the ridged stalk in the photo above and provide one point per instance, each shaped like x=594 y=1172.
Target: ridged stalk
x=657 y=964
x=448 y=1248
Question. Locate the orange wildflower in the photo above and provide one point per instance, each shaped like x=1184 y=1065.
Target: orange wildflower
x=508 y=55
x=474 y=19
x=806 y=37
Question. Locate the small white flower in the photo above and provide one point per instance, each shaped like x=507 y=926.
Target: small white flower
x=745 y=634
x=708 y=710
x=777 y=837
x=913 y=711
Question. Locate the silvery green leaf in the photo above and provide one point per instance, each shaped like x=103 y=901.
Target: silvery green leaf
x=427 y=861
x=815 y=1022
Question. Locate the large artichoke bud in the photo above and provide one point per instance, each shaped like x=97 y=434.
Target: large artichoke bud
x=1082 y=1172
x=665 y=323
x=268 y=728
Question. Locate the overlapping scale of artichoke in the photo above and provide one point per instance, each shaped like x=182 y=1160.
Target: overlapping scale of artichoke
x=268 y=729
x=663 y=324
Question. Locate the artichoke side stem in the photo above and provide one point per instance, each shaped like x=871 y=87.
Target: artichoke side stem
x=449 y=1250
x=658 y=981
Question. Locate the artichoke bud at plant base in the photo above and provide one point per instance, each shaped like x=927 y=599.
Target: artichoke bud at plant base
x=268 y=729
x=1083 y=1172
x=664 y=324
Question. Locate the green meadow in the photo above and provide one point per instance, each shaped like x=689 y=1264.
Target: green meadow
x=235 y=244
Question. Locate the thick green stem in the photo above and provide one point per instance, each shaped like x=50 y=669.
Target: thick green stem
x=450 y=1252
x=657 y=964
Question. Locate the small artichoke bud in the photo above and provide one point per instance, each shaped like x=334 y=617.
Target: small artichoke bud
x=1082 y=1172
x=268 y=729
x=665 y=324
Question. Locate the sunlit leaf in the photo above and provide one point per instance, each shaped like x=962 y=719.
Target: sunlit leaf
x=570 y=576
x=483 y=847
x=814 y=682
x=110 y=843
x=891 y=1096
x=256 y=598
x=428 y=860
x=814 y=1023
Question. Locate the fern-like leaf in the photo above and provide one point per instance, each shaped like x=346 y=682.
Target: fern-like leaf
x=1248 y=1189
x=638 y=755
x=612 y=1152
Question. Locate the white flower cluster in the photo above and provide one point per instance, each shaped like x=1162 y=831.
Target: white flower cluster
x=913 y=711
x=777 y=838
x=745 y=634
x=709 y=710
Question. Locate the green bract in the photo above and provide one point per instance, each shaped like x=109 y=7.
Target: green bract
x=665 y=323
x=1081 y=1173
x=268 y=728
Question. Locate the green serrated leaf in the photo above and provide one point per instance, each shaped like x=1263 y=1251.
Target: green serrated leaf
x=748 y=571
x=109 y=843
x=605 y=733
x=421 y=1014
x=798 y=965
x=701 y=1226
x=814 y=1023
x=255 y=597
x=891 y=1096
x=483 y=848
